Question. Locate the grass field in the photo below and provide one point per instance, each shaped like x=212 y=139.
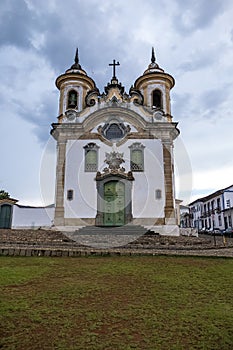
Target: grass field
x=113 y=303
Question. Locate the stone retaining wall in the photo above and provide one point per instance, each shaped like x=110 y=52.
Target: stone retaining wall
x=56 y=244
x=30 y=252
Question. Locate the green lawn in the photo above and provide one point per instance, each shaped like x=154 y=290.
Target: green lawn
x=113 y=303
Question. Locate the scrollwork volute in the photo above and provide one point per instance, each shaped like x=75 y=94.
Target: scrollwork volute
x=136 y=96
x=92 y=97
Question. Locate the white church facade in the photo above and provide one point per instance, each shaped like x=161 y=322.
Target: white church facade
x=115 y=161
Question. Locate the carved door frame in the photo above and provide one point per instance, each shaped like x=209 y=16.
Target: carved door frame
x=100 y=184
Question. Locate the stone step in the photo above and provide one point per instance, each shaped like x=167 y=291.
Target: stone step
x=107 y=237
x=113 y=230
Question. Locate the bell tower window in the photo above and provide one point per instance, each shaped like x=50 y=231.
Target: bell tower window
x=72 y=99
x=157 y=99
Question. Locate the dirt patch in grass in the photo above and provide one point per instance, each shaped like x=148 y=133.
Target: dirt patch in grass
x=116 y=303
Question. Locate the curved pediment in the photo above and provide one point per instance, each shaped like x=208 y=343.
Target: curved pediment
x=122 y=114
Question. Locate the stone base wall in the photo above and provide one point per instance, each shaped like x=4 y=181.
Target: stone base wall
x=165 y=230
x=81 y=222
x=188 y=231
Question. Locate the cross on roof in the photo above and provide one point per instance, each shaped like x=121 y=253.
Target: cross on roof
x=114 y=64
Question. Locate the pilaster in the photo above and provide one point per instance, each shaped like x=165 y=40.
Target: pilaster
x=169 y=208
x=59 y=208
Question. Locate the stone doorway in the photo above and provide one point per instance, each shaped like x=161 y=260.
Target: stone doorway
x=114 y=200
x=114 y=203
x=5 y=216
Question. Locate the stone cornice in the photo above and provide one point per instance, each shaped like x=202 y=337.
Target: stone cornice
x=66 y=77
x=164 y=131
x=154 y=77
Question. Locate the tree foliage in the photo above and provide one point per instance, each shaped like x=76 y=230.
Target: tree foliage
x=4 y=194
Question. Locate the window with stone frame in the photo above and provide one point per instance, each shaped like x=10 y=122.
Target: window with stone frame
x=91 y=157
x=72 y=99
x=137 y=157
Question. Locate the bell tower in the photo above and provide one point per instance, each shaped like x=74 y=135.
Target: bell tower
x=155 y=86
x=74 y=86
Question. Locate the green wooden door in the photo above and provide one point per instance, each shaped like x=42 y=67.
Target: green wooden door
x=5 y=216
x=114 y=203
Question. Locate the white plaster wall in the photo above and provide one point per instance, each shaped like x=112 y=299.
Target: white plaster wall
x=32 y=217
x=144 y=203
x=228 y=196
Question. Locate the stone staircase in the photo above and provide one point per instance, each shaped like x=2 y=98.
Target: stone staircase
x=112 y=230
x=107 y=237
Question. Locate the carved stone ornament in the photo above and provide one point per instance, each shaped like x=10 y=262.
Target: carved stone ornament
x=92 y=97
x=71 y=115
x=114 y=130
x=114 y=160
x=158 y=115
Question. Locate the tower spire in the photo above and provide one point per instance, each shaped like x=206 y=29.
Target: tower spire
x=76 y=64
x=76 y=59
x=153 y=55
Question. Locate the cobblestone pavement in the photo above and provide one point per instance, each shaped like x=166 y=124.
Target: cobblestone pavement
x=54 y=243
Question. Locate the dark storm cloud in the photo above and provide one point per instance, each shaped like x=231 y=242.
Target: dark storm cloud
x=15 y=23
x=91 y=32
x=21 y=24
x=197 y=15
x=42 y=118
x=93 y=27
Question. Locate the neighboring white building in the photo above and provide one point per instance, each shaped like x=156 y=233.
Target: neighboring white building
x=13 y=215
x=213 y=211
x=184 y=216
x=115 y=151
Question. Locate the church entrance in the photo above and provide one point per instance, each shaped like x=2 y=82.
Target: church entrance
x=114 y=203
x=114 y=199
x=5 y=216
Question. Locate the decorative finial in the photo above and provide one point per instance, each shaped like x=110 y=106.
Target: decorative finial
x=76 y=64
x=76 y=59
x=153 y=66
x=153 y=55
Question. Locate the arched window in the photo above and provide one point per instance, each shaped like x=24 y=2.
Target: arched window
x=91 y=157
x=157 y=99
x=137 y=157
x=72 y=99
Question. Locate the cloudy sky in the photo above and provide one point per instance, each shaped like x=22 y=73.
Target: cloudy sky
x=193 y=40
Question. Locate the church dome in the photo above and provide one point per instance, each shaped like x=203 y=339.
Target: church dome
x=76 y=67
x=75 y=72
x=153 y=66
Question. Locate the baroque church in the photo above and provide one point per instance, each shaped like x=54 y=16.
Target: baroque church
x=115 y=163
